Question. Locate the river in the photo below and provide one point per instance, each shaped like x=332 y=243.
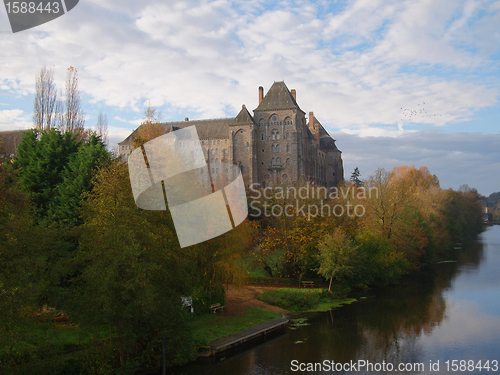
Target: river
x=443 y=320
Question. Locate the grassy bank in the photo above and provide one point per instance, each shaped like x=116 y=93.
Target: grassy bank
x=300 y=299
x=210 y=327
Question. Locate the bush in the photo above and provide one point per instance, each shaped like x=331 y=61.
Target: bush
x=295 y=299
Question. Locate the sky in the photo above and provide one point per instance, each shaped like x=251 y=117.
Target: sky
x=394 y=82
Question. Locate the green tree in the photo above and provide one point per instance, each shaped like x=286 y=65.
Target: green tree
x=77 y=179
x=355 y=177
x=132 y=273
x=337 y=257
x=42 y=157
x=24 y=250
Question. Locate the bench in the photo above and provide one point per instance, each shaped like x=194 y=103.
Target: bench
x=308 y=283
x=216 y=307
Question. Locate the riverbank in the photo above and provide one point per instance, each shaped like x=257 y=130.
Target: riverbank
x=250 y=305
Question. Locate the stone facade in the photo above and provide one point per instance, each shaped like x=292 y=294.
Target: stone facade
x=278 y=143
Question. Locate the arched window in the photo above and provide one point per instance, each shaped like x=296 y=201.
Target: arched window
x=213 y=151
x=277 y=148
x=273 y=135
x=273 y=148
x=248 y=144
x=212 y=161
x=278 y=161
x=288 y=161
x=287 y=148
x=262 y=137
x=218 y=141
x=287 y=135
x=273 y=161
x=277 y=135
x=217 y=161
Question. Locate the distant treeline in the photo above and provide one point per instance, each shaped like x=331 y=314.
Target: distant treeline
x=369 y=233
x=493 y=204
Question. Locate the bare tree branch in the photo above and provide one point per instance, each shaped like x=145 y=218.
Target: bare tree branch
x=45 y=100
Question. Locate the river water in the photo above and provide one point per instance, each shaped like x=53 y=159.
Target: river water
x=445 y=320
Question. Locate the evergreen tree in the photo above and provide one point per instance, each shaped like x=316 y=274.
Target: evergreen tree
x=42 y=157
x=355 y=177
x=77 y=179
x=55 y=169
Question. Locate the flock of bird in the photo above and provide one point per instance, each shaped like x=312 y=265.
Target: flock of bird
x=414 y=113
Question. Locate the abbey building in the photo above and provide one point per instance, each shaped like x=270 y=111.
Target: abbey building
x=277 y=143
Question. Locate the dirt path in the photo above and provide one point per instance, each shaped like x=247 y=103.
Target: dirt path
x=237 y=299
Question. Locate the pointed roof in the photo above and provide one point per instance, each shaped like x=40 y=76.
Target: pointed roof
x=278 y=97
x=244 y=117
x=326 y=142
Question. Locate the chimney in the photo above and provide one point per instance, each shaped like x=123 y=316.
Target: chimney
x=311 y=122
x=261 y=94
x=294 y=94
x=186 y=119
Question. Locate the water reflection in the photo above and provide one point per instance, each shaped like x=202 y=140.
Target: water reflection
x=449 y=312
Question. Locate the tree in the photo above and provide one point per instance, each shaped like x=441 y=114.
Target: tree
x=71 y=116
x=102 y=127
x=133 y=272
x=55 y=169
x=45 y=100
x=77 y=179
x=42 y=157
x=355 y=178
x=337 y=257
x=24 y=249
x=150 y=127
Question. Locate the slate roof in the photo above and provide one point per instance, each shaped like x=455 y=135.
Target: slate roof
x=212 y=128
x=278 y=97
x=326 y=142
x=244 y=117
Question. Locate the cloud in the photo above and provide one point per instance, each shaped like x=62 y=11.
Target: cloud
x=355 y=67
x=361 y=66
x=116 y=134
x=456 y=158
x=14 y=119
x=136 y=122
